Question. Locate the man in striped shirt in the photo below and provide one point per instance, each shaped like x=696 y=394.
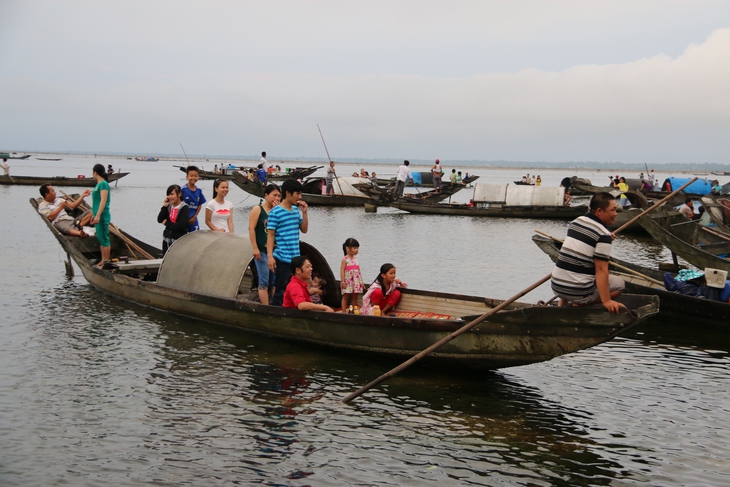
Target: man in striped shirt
x=581 y=273
x=283 y=225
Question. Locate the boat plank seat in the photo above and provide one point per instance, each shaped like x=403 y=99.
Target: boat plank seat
x=425 y=304
x=139 y=265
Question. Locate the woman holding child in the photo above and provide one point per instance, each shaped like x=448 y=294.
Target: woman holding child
x=258 y=235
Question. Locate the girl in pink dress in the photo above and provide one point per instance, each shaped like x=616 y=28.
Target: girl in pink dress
x=350 y=276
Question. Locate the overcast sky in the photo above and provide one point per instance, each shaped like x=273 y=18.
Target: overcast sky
x=625 y=81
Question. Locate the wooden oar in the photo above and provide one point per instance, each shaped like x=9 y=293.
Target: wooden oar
x=655 y=206
x=444 y=340
x=618 y=266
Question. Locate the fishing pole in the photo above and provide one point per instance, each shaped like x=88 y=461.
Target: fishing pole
x=330 y=159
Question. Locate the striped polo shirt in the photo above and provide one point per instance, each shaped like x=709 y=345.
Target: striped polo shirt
x=575 y=271
x=285 y=224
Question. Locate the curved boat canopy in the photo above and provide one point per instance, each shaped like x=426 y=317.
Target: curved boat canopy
x=210 y=263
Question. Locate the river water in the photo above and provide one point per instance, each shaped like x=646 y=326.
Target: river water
x=95 y=390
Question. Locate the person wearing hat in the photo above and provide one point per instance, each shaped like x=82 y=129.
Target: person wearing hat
x=692 y=282
x=581 y=273
x=437 y=173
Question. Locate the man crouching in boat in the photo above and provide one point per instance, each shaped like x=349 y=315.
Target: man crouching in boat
x=297 y=291
x=54 y=209
x=581 y=273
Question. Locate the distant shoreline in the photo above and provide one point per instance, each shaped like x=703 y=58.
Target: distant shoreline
x=704 y=169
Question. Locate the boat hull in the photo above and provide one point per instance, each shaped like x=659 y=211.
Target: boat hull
x=525 y=334
x=87 y=182
x=555 y=212
x=675 y=307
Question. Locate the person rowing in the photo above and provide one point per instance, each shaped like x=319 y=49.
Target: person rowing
x=580 y=276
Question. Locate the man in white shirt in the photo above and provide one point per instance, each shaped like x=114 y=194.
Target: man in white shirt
x=264 y=161
x=402 y=175
x=54 y=209
x=5 y=166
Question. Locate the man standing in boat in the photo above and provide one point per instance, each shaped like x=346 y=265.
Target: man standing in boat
x=5 y=166
x=401 y=176
x=436 y=174
x=581 y=273
x=264 y=161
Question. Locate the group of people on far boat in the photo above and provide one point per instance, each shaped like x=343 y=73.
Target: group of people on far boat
x=532 y=180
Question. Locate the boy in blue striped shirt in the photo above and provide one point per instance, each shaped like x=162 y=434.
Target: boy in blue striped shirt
x=283 y=226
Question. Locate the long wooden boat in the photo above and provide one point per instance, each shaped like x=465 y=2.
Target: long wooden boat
x=696 y=190
x=345 y=193
x=49 y=158
x=699 y=245
x=78 y=182
x=228 y=173
x=503 y=211
x=424 y=179
x=207 y=275
x=384 y=195
x=7 y=155
x=675 y=307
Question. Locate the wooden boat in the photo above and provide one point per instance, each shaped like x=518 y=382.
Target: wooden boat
x=699 y=245
x=675 y=307
x=79 y=182
x=719 y=209
x=503 y=201
x=424 y=179
x=147 y=159
x=697 y=189
x=7 y=155
x=48 y=158
x=207 y=275
x=227 y=173
x=384 y=195
x=345 y=193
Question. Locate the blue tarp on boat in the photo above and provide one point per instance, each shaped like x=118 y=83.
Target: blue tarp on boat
x=417 y=178
x=701 y=186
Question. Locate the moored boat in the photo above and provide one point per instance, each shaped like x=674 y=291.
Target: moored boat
x=346 y=194
x=384 y=195
x=675 y=307
x=697 y=189
x=424 y=179
x=501 y=200
x=81 y=181
x=699 y=245
x=228 y=172
x=207 y=275
x=8 y=155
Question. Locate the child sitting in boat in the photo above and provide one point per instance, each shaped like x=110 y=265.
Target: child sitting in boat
x=383 y=292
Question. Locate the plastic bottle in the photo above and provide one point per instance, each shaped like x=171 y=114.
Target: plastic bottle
x=376 y=310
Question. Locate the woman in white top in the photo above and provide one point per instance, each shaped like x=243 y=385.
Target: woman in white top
x=219 y=211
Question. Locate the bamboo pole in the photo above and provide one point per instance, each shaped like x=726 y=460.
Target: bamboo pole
x=118 y=233
x=444 y=341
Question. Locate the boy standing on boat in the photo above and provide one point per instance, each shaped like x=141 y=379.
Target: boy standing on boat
x=581 y=273
x=284 y=224
x=193 y=197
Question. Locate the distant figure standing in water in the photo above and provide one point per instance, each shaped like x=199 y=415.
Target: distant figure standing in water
x=101 y=215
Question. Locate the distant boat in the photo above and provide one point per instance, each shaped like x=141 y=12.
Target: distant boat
x=227 y=173
x=502 y=201
x=48 y=159
x=147 y=159
x=7 y=155
x=81 y=181
x=424 y=179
